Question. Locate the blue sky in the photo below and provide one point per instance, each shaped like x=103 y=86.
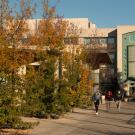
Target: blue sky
x=104 y=13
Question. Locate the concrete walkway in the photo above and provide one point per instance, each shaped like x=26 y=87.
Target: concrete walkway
x=85 y=122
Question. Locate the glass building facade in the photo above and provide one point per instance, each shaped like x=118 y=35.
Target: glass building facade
x=128 y=61
x=128 y=56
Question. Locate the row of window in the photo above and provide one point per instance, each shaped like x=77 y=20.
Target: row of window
x=94 y=40
x=72 y=40
x=90 y=40
x=86 y=40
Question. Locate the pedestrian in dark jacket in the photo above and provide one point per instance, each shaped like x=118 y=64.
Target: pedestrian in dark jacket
x=96 y=99
x=117 y=99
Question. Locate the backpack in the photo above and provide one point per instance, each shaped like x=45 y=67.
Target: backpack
x=96 y=96
x=118 y=95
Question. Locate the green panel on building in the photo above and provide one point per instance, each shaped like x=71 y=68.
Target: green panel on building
x=128 y=56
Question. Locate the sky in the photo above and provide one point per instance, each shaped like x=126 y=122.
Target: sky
x=104 y=13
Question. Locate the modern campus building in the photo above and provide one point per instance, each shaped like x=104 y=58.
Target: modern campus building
x=115 y=59
x=128 y=61
x=114 y=49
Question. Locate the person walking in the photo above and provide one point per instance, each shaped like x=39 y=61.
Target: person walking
x=96 y=99
x=108 y=98
x=117 y=99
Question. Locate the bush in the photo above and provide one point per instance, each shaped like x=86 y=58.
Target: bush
x=15 y=123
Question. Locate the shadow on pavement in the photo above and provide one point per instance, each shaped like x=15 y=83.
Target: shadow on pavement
x=121 y=134
x=101 y=123
x=116 y=112
x=89 y=129
x=93 y=115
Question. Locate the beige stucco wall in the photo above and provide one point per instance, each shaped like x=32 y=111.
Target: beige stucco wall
x=121 y=30
x=82 y=23
x=96 y=32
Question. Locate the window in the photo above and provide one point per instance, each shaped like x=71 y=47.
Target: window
x=103 y=41
x=131 y=53
x=111 y=40
x=131 y=69
x=131 y=61
x=72 y=40
x=86 y=41
x=132 y=38
x=94 y=40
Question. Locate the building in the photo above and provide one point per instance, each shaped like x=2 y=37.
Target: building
x=81 y=23
x=120 y=31
x=101 y=44
x=114 y=47
x=128 y=62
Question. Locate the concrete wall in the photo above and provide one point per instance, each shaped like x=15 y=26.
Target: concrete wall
x=82 y=23
x=98 y=32
x=88 y=29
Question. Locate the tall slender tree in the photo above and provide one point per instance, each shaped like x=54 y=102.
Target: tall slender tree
x=12 y=30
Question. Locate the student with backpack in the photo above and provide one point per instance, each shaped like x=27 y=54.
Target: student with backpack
x=96 y=99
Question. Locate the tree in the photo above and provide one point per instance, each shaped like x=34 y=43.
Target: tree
x=12 y=29
x=90 y=59
x=45 y=86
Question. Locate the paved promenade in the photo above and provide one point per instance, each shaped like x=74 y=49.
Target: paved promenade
x=85 y=122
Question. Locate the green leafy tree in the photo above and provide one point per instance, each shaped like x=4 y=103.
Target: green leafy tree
x=44 y=91
x=12 y=29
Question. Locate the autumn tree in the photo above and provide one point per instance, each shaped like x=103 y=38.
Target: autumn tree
x=12 y=86
x=59 y=69
x=90 y=56
x=45 y=85
x=45 y=88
